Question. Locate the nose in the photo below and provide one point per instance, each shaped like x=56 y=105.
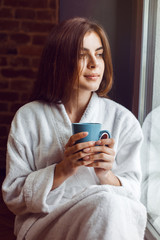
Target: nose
x=92 y=62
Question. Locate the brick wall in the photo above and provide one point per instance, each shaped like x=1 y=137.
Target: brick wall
x=24 y=25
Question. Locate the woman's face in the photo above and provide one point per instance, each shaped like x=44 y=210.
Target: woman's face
x=91 y=63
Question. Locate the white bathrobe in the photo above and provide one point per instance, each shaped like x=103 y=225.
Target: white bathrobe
x=80 y=208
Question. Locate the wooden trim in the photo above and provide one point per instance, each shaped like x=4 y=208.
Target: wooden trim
x=150 y=61
x=148 y=58
x=137 y=22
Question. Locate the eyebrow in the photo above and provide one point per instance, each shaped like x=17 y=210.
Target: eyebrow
x=86 y=49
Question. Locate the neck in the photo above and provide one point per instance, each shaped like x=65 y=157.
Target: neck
x=77 y=105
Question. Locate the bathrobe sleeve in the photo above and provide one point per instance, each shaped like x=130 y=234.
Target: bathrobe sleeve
x=128 y=168
x=29 y=170
x=24 y=189
x=127 y=132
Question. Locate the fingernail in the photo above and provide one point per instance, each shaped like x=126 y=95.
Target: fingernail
x=86 y=150
x=85 y=133
x=86 y=158
x=98 y=142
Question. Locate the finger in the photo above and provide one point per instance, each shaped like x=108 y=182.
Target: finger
x=101 y=165
x=80 y=162
x=79 y=147
x=100 y=157
x=78 y=157
x=103 y=149
x=83 y=163
x=75 y=138
x=109 y=142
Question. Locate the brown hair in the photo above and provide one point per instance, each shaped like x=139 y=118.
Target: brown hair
x=58 y=68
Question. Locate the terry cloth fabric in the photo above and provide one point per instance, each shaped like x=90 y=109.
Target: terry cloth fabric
x=36 y=143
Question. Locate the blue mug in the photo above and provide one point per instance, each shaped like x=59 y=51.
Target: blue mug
x=93 y=129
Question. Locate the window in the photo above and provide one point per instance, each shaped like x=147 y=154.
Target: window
x=149 y=114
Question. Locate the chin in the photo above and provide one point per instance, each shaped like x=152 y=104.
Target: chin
x=95 y=88
x=90 y=87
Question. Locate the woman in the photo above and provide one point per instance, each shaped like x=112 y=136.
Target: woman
x=52 y=193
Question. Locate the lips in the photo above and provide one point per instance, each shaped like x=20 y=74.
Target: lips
x=92 y=76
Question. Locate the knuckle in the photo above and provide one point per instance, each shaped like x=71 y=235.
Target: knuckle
x=66 y=151
x=73 y=165
x=69 y=159
x=111 y=165
x=113 y=141
x=76 y=147
x=97 y=164
x=91 y=144
x=113 y=159
x=71 y=138
x=67 y=145
x=103 y=148
x=114 y=153
x=102 y=155
x=79 y=155
x=82 y=162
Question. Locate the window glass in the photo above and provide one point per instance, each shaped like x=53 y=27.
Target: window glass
x=149 y=112
x=150 y=156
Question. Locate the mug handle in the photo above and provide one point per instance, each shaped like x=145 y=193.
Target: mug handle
x=104 y=134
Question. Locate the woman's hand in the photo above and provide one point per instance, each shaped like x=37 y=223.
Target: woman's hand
x=74 y=153
x=102 y=158
x=73 y=158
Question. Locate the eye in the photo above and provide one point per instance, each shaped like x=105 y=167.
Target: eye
x=100 y=55
x=82 y=55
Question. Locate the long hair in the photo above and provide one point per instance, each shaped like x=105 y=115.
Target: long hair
x=58 y=69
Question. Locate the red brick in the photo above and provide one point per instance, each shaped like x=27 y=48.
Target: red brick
x=39 y=39
x=9 y=96
x=36 y=27
x=26 y=96
x=3 y=141
x=20 y=38
x=7 y=49
x=3 y=130
x=19 y=62
x=12 y=51
x=26 y=3
x=15 y=107
x=13 y=73
x=53 y=4
x=35 y=62
x=6 y=13
x=3 y=61
x=2 y=158
x=3 y=85
x=3 y=107
x=46 y=15
x=25 y=13
x=6 y=118
x=30 y=50
x=3 y=37
x=9 y=25
x=9 y=72
x=20 y=84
